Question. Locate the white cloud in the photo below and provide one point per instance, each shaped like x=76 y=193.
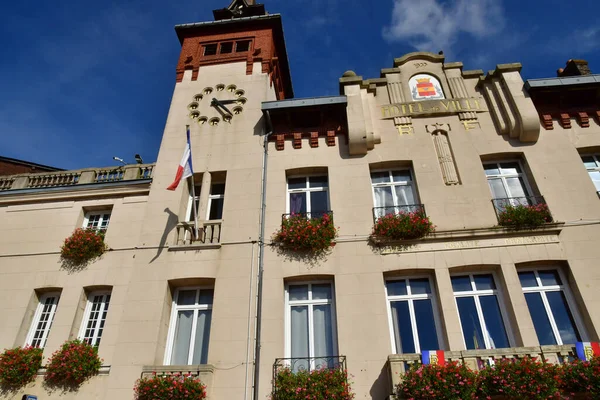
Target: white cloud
x=433 y=25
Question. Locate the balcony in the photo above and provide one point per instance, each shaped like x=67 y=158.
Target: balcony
x=76 y=177
x=379 y=212
x=398 y=364
x=526 y=212
x=292 y=373
x=209 y=233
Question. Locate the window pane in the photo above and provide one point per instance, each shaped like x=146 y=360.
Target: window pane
x=323 y=331
x=549 y=278
x=405 y=195
x=484 y=282
x=299 y=335
x=589 y=161
x=491 y=169
x=516 y=187
x=183 y=333
x=318 y=203
x=563 y=318
x=206 y=296
x=420 y=286
x=469 y=320
x=217 y=188
x=380 y=177
x=405 y=342
x=226 y=47
x=510 y=168
x=396 y=288
x=216 y=209
x=317 y=181
x=186 y=297
x=298 y=292
x=497 y=188
x=527 y=279
x=321 y=291
x=297 y=203
x=595 y=175
x=543 y=329
x=384 y=198
x=401 y=176
x=461 y=283
x=496 y=330
x=297 y=183
x=202 y=337
x=426 y=325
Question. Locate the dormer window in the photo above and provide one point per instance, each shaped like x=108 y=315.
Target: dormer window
x=210 y=49
x=242 y=46
x=226 y=47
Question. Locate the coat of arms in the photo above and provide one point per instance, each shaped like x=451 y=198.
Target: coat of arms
x=425 y=87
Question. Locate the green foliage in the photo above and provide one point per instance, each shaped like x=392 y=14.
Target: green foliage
x=71 y=365
x=581 y=377
x=300 y=233
x=402 y=226
x=524 y=216
x=169 y=387
x=318 y=384
x=452 y=381
x=19 y=366
x=83 y=246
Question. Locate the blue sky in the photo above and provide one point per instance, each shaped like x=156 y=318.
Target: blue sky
x=81 y=81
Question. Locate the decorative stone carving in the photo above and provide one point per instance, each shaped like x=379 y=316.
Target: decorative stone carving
x=444 y=153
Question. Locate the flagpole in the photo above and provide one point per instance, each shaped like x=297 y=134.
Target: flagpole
x=187 y=127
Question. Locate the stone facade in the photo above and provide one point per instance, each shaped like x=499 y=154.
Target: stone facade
x=375 y=126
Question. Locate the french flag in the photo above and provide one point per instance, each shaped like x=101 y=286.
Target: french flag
x=433 y=357
x=185 y=166
x=587 y=350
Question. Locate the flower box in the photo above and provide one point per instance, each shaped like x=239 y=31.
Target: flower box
x=301 y=233
x=402 y=226
x=71 y=365
x=169 y=387
x=524 y=216
x=19 y=366
x=317 y=384
x=82 y=247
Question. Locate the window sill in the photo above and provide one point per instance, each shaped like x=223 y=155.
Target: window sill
x=104 y=370
x=199 y=246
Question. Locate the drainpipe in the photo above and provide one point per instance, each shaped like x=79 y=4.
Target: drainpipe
x=261 y=253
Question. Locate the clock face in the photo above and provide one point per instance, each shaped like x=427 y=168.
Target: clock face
x=217 y=104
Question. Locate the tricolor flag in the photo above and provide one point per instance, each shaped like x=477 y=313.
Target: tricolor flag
x=587 y=350
x=185 y=166
x=433 y=357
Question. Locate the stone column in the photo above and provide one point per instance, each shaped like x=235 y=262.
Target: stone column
x=204 y=196
x=522 y=324
x=449 y=312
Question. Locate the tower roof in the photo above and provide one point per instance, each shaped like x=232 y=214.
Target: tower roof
x=240 y=9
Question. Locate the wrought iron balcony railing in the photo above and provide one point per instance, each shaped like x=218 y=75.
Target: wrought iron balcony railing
x=500 y=205
x=209 y=232
x=307 y=215
x=301 y=364
x=379 y=212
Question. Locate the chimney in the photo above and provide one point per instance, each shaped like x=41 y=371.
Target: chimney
x=574 y=68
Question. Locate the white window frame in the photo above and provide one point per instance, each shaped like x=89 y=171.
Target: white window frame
x=173 y=320
x=310 y=303
x=595 y=169
x=87 y=314
x=189 y=214
x=393 y=183
x=475 y=294
x=212 y=197
x=522 y=175
x=307 y=189
x=410 y=298
x=37 y=316
x=101 y=213
x=556 y=288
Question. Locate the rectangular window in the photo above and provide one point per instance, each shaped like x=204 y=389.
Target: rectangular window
x=210 y=49
x=226 y=47
x=308 y=195
x=215 y=201
x=393 y=192
x=97 y=220
x=189 y=330
x=412 y=314
x=592 y=164
x=481 y=316
x=507 y=181
x=310 y=324
x=42 y=320
x=196 y=195
x=94 y=318
x=551 y=307
x=242 y=46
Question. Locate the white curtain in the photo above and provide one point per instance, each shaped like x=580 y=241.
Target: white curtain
x=183 y=333
x=405 y=196
x=323 y=335
x=202 y=337
x=299 y=321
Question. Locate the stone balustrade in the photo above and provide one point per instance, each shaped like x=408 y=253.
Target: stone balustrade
x=398 y=364
x=76 y=177
x=209 y=232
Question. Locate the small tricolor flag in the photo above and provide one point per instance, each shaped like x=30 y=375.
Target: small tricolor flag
x=587 y=350
x=185 y=166
x=433 y=357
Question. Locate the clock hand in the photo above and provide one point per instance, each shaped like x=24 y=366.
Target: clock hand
x=217 y=103
x=227 y=101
